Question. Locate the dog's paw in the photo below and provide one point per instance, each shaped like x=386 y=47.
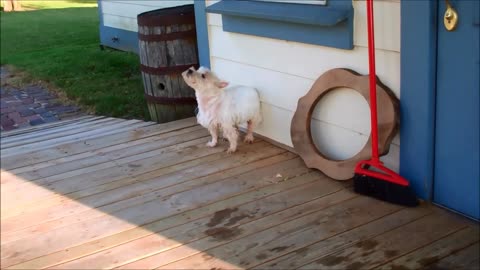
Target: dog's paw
x=211 y=144
x=248 y=139
x=231 y=150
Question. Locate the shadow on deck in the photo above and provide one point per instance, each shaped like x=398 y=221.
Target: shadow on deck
x=99 y=192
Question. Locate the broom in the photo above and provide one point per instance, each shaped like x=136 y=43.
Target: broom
x=383 y=183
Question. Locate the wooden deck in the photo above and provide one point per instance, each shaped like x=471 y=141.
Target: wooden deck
x=96 y=193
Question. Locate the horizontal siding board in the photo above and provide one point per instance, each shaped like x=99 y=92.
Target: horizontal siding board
x=387 y=25
x=303 y=60
x=284 y=90
x=131 y=10
x=152 y=3
x=124 y=23
x=123 y=14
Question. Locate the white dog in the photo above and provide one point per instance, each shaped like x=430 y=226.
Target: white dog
x=223 y=107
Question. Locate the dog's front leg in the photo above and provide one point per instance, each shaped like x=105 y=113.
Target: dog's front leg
x=213 y=129
x=232 y=136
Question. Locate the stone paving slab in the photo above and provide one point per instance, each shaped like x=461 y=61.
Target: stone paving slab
x=30 y=106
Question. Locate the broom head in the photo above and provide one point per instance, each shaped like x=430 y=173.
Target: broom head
x=383 y=184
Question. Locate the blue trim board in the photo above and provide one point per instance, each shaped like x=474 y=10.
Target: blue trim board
x=330 y=25
x=202 y=33
x=417 y=106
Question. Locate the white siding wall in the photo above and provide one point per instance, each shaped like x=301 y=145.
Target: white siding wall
x=284 y=71
x=123 y=14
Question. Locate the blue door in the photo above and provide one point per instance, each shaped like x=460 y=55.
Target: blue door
x=456 y=171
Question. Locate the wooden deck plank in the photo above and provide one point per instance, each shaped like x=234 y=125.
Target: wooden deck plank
x=230 y=217
x=287 y=235
x=16 y=252
x=115 y=151
x=188 y=166
x=44 y=135
x=120 y=126
x=142 y=191
x=108 y=172
x=336 y=243
x=11 y=211
x=85 y=145
x=436 y=251
x=465 y=259
x=391 y=245
x=51 y=134
x=164 y=223
x=265 y=222
x=18 y=132
x=144 y=195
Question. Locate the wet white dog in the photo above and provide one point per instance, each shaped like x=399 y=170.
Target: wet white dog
x=223 y=107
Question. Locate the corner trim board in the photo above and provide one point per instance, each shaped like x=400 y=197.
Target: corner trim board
x=418 y=83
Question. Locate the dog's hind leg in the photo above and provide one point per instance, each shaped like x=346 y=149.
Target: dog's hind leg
x=249 y=135
x=232 y=135
x=213 y=129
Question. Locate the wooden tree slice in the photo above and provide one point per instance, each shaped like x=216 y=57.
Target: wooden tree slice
x=388 y=122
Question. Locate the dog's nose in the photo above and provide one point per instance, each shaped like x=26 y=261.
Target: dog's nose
x=189 y=71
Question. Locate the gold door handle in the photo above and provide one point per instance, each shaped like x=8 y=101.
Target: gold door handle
x=450 y=19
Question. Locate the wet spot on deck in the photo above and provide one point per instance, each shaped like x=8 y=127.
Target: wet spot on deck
x=131 y=165
x=367 y=244
x=398 y=267
x=302 y=252
x=331 y=260
x=261 y=256
x=236 y=219
x=223 y=233
x=279 y=249
x=355 y=265
x=428 y=260
x=220 y=216
x=390 y=253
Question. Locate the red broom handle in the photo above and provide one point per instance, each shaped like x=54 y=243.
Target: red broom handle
x=373 y=81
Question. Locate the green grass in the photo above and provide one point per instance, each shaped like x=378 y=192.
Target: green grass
x=59 y=44
x=54 y=4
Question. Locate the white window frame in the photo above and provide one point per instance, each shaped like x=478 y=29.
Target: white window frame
x=306 y=2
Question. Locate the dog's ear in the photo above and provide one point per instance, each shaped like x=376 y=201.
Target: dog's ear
x=221 y=84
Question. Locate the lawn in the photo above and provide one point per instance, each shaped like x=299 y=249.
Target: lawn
x=58 y=42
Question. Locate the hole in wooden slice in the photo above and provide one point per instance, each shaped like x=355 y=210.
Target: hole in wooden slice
x=340 y=124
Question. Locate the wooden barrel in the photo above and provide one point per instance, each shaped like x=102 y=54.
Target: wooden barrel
x=167 y=47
